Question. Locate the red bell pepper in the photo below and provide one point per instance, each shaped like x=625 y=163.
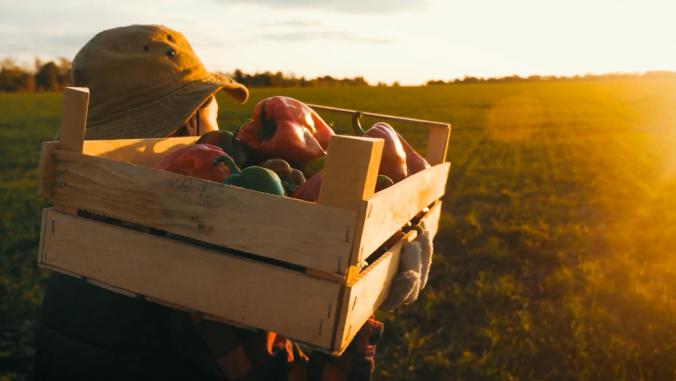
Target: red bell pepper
x=414 y=161
x=309 y=190
x=399 y=159
x=285 y=128
x=196 y=160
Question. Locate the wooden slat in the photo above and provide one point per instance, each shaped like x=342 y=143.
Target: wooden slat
x=47 y=169
x=71 y=133
x=235 y=289
x=391 y=208
x=431 y=219
x=365 y=293
x=350 y=171
x=145 y=152
x=389 y=118
x=307 y=234
x=437 y=144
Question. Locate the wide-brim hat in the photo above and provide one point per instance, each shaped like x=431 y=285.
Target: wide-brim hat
x=144 y=81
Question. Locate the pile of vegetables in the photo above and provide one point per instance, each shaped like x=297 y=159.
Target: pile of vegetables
x=281 y=150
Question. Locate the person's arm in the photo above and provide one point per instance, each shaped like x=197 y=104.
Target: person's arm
x=246 y=355
x=355 y=364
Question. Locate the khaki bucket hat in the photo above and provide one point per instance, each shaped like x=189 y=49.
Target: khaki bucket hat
x=144 y=81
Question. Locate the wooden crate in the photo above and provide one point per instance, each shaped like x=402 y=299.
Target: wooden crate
x=245 y=257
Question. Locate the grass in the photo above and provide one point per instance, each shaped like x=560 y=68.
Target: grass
x=555 y=258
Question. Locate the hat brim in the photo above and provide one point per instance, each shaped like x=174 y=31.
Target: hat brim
x=166 y=113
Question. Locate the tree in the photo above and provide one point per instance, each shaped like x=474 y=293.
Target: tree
x=8 y=63
x=47 y=77
x=238 y=76
x=16 y=80
x=63 y=66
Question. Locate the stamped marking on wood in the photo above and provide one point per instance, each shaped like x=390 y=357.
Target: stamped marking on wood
x=194 y=189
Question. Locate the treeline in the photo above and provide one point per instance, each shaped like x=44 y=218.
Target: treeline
x=44 y=76
x=550 y=78
x=55 y=75
x=279 y=79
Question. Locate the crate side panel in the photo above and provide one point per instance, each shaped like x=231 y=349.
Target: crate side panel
x=306 y=234
x=379 y=271
x=235 y=289
x=365 y=293
x=391 y=208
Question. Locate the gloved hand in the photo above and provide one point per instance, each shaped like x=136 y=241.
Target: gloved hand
x=414 y=268
x=363 y=348
x=355 y=364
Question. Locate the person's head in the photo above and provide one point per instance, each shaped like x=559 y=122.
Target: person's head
x=145 y=81
x=203 y=120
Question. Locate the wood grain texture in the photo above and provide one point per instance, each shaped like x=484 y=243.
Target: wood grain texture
x=228 y=287
x=47 y=169
x=350 y=171
x=145 y=152
x=431 y=220
x=391 y=208
x=303 y=233
x=364 y=293
x=437 y=144
x=74 y=122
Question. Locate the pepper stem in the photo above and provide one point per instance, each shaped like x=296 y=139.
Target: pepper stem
x=234 y=169
x=356 y=124
x=238 y=129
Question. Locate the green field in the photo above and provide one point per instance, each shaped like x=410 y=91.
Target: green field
x=556 y=258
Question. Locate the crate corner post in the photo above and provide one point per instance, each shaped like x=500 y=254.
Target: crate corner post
x=437 y=143
x=74 y=121
x=351 y=171
x=72 y=129
x=350 y=176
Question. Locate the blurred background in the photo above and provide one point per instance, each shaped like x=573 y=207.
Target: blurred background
x=556 y=256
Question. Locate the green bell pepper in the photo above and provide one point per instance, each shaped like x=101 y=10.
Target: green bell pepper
x=254 y=177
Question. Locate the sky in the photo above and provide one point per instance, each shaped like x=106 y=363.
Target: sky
x=410 y=41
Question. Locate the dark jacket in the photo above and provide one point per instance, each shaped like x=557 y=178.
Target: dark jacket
x=89 y=333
